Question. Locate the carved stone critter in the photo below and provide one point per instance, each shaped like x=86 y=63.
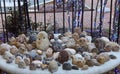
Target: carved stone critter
x=42 y=41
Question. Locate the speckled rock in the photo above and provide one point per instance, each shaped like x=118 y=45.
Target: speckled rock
x=49 y=52
x=21 y=64
x=28 y=46
x=100 y=44
x=90 y=63
x=57 y=46
x=63 y=56
x=14 y=50
x=95 y=50
x=102 y=58
x=66 y=66
x=22 y=49
x=2 y=51
x=75 y=36
x=33 y=66
x=53 y=66
x=7 y=55
x=22 y=38
x=17 y=59
x=10 y=60
x=96 y=63
x=70 y=43
x=27 y=61
x=32 y=37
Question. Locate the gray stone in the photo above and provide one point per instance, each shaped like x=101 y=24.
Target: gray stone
x=75 y=68
x=67 y=66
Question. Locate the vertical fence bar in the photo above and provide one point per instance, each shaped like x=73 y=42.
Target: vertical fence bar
x=20 y=17
x=14 y=21
x=118 y=25
x=110 y=19
x=45 y=15
x=54 y=17
x=6 y=27
x=92 y=18
x=2 y=22
x=101 y=22
x=38 y=5
x=82 y=18
x=27 y=15
x=63 y=16
x=35 y=14
x=72 y=17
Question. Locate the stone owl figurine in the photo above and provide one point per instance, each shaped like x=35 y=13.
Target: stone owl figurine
x=42 y=41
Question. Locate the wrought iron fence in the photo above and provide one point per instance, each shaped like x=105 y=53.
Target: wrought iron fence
x=16 y=19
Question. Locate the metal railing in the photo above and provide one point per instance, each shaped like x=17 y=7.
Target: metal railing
x=75 y=14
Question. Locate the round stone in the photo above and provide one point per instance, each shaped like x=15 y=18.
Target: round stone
x=90 y=63
x=67 y=66
x=53 y=66
x=63 y=56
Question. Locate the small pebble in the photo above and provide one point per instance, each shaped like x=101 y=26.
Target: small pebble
x=33 y=66
x=27 y=61
x=59 y=64
x=112 y=56
x=67 y=66
x=48 y=59
x=44 y=66
x=18 y=54
x=90 y=63
x=33 y=54
x=45 y=62
x=85 y=67
x=17 y=59
x=10 y=60
x=75 y=68
x=39 y=52
x=37 y=57
x=21 y=64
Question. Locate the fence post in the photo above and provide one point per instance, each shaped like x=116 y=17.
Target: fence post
x=54 y=17
x=35 y=14
x=2 y=21
x=6 y=27
x=92 y=18
x=82 y=18
x=27 y=14
x=63 y=16
x=118 y=23
x=110 y=19
x=45 y=15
